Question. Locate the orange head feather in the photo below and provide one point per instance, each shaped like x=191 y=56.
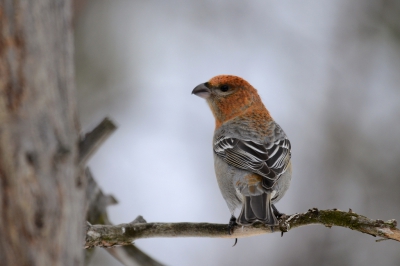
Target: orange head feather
x=231 y=96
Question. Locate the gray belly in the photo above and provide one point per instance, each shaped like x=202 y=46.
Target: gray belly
x=228 y=175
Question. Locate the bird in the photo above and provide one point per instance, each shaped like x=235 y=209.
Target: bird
x=252 y=153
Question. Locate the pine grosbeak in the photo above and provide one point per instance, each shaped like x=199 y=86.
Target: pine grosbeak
x=251 y=151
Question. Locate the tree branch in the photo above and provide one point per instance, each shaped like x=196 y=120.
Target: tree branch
x=129 y=254
x=97 y=201
x=126 y=234
x=96 y=212
x=92 y=140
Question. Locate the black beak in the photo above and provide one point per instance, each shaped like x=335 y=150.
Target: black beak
x=202 y=91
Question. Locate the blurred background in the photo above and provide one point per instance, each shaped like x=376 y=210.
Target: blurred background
x=328 y=71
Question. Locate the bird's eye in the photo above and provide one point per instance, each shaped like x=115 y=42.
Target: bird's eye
x=224 y=88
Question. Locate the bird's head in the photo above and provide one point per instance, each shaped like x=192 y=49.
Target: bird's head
x=228 y=96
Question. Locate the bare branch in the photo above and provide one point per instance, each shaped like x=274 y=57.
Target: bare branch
x=97 y=201
x=92 y=140
x=96 y=212
x=128 y=255
x=126 y=234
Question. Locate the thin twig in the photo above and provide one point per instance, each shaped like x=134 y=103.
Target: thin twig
x=92 y=140
x=126 y=234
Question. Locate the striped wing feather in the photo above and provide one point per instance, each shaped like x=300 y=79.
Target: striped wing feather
x=268 y=160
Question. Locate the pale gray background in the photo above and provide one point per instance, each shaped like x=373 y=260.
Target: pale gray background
x=328 y=71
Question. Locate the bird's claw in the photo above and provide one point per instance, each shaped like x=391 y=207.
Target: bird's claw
x=231 y=225
x=235 y=242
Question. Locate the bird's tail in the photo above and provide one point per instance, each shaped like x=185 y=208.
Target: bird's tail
x=257 y=208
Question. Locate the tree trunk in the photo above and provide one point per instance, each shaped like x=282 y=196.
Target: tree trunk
x=41 y=194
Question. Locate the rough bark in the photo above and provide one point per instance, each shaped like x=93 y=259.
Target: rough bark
x=41 y=185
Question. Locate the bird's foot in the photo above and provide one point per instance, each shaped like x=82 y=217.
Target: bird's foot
x=277 y=214
x=232 y=224
x=284 y=227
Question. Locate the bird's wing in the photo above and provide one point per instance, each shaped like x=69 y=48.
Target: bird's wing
x=270 y=160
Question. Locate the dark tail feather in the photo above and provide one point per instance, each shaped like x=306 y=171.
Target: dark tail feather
x=257 y=208
x=247 y=215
